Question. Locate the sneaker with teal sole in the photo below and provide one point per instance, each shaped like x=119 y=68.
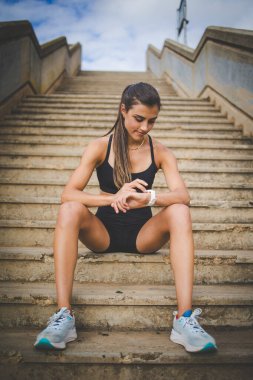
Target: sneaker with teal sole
x=188 y=332
x=59 y=331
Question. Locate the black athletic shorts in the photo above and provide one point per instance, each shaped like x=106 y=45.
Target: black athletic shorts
x=123 y=228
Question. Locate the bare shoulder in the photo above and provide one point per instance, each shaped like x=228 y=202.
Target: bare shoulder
x=96 y=149
x=162 y=153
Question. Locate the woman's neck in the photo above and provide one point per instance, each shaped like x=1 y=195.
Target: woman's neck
x=138 y=146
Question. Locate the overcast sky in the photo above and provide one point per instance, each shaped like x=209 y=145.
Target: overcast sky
x=115 y=33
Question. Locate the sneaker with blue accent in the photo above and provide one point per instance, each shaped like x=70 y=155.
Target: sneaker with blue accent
x=188 y=332
x=59 y=331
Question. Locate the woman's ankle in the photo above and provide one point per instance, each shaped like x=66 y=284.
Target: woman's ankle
x=182 y=311
x=68 y=306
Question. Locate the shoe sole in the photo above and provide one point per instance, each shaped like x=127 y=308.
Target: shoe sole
x=177 y=338
x=47 y=344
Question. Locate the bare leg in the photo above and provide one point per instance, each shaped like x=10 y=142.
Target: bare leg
x=173 y=221
x=74 y=221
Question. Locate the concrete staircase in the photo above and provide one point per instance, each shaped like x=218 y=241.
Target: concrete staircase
x=124 y=302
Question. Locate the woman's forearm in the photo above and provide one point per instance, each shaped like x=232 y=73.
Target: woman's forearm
x=139 y=200
x=96 y=200
x=89 y=200
x=169 y=198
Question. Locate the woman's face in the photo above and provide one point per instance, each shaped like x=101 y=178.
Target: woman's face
x=139 y=120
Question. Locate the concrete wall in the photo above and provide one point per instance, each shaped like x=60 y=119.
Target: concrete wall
x=29 y=68
x=221 y=68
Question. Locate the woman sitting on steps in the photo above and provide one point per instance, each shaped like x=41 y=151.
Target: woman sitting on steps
x=126 y=162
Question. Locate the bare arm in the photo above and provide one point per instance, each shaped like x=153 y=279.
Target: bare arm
x=178 y=192
x=73 y=191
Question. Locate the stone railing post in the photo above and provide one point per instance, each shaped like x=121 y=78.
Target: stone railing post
x=29 y=68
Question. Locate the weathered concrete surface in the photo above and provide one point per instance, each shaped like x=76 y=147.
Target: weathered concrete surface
x=199 y=164
x=126 y=356
x=129 y=307
x=129 y=273
x=223 y=236
x=209 y=211
x=211 y=267
x=28 y=68
x=221 y=66
x=123 y=291
x=37 y=187
x=228 y=177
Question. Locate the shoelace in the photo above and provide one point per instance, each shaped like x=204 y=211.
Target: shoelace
x=193 y=322
x=56 y=320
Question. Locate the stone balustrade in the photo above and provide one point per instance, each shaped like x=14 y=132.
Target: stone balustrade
x=26 y=67
x=220 y=68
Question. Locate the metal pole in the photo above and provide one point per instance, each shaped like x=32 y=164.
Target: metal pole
x=185 y=31
x=185 y=24
x=177 y=24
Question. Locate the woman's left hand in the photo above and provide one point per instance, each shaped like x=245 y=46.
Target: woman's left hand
x=129 y=200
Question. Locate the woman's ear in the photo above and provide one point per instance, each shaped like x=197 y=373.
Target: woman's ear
x=123 y=110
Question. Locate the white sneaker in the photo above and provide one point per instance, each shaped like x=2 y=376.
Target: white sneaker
x=188 y=332
x=59 y=331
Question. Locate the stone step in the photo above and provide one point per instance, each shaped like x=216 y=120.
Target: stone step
x=186 y=155
x=234 y=135
x=68 y=112
x=113 y=79
x=221 y=236
x=46 y=208
x=172 y=142
x=163 y=91
x=167 y=126
x=111 y=87
x=114 y=74
x=116 y=88
x=70 y=134
x=112 y=82
x=24 y=161
x=54 y=104
x=199 y=118
x=60 y=177
x=35 y=264
x=106 y=86
x=123 y=355
x=188 y=149
x=25 y=186
x=118 y=306
x=229 y=177
x=97 y=101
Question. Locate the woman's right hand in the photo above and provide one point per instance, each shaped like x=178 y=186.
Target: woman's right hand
x=123 y=206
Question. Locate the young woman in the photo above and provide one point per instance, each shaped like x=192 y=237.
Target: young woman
x=126 y=161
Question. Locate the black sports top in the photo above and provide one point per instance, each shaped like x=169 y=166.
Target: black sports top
x=105 y=172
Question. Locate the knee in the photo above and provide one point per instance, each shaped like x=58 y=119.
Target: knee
x=70 y=213
x=178 y=215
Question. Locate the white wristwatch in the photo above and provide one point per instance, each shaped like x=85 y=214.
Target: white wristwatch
x=152 y=198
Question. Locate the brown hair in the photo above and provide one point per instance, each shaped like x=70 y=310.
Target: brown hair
x=138 y=93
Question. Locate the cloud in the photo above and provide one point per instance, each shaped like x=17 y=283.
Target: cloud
x=115 y=33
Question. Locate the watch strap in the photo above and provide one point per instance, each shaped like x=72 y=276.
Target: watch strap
x=152 y=198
